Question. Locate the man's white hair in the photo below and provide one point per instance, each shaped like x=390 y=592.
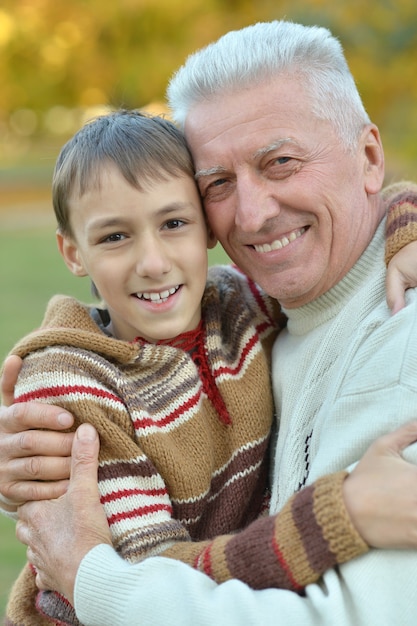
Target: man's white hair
x=263 y=51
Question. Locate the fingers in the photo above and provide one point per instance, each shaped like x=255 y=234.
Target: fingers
x=28 y=415
x=76 y=521
x=380 y=493
x=84 y=460
x=11 y=370
x=35 y=443
x=394 y=443
x=34 y=465
x=395 y=286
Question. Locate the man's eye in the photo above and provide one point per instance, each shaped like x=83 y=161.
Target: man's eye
x=218 y=182
x=282 y=160
x=214 y=187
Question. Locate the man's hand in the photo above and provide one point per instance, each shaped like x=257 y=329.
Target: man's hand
x=34 y=460
x=59 y=533
x=381 y=492
x=12 y=367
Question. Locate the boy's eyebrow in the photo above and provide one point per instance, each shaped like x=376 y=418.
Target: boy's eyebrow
x=175 y=206
x=110 y=221
x=219 y=169
x=171 y=207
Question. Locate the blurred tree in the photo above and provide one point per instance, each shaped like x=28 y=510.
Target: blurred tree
x=55 y=53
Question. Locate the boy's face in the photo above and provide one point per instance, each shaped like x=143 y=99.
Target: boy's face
x=145 y=251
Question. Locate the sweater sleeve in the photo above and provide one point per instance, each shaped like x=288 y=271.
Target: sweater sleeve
x=291 y=549
x=312 y=533
x=401 y=228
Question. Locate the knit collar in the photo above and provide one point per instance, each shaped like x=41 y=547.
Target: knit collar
x=194 y=343
x=186 y=341
x=303 y=319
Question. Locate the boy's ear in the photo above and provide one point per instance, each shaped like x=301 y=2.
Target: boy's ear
x=211 y=238
x=69 y=252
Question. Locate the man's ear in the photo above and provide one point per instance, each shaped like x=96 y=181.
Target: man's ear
x=69 y=252
x=374 y=159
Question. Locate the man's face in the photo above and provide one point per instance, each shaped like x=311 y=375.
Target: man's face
x=289 y=204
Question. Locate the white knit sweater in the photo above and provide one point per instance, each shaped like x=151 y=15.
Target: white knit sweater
x=352 y=377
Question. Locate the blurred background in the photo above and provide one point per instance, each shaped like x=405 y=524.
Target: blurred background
x=63 y=62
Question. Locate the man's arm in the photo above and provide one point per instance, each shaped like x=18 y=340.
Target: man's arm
x=108 y=590
x=272 y=552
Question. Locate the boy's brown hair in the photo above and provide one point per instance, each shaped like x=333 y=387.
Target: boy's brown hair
x=144 y=148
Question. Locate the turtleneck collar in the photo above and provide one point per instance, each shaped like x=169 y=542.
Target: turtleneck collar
x=304 y=318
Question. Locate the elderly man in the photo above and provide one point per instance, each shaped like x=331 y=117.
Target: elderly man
x=290 y=170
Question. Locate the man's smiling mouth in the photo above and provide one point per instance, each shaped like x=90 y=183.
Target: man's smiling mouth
x=280 y=243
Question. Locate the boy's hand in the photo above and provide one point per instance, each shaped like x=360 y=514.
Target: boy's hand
x=401 y=275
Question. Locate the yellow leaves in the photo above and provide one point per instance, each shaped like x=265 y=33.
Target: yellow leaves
x=7 y=27
x=87 y=52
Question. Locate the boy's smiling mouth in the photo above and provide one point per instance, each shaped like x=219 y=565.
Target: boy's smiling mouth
x=157 y=296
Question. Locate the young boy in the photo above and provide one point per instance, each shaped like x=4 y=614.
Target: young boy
x=173 y=372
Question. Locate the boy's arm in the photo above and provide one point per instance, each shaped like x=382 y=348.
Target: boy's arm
x=78 y=518
x=295 y=547
x=401 y=245
x=401 y=227
x=289 y=550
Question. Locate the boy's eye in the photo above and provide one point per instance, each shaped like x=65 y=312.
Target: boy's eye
x=173 y=224
x=113 y=237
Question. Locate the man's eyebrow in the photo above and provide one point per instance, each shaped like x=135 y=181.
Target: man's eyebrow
x=210 y=171
x=275 y=145
x=219 y=169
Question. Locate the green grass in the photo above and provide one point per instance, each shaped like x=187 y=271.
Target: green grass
x=31 y=271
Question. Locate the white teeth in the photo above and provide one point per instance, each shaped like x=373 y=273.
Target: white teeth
x=157 y=297
x=280 y=243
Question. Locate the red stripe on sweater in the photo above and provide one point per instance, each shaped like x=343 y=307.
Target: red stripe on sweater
x=140 y=512
x=256 y=294
x=284 y=565
x=125 y=493
x=235 y=370
x=63 y=390
x=145 y=422
x=203 y=561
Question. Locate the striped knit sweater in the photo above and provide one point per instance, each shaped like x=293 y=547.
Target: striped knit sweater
x=184 y=430
x=184 y=438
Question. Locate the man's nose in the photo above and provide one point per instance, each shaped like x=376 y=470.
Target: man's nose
x=255 y=203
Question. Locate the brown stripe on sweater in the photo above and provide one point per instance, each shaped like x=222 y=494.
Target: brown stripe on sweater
x=399 y=222
x=241 y=498
x=122 y=469
x=315 y=545
x=259 y=538
x=151 y=540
